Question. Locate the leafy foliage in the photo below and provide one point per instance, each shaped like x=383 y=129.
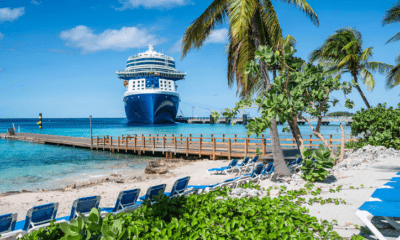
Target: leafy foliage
x=379 y=125
x=314 y=167
x=199 y=217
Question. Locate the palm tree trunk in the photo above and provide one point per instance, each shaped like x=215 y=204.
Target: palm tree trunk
x=281 y=168
x=361 y=93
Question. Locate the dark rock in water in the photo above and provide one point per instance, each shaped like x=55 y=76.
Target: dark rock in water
x=115 y=175
x=158 y=166
x=119 y=180
x=23 y=190
x=163 y=170
x=69 y=187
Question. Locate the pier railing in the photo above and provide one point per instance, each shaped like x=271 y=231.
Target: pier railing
x=213 y=145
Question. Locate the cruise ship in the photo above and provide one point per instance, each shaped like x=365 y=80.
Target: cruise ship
x=151 y=92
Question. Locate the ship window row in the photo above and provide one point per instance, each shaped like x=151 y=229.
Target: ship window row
x=150 y=59
x=151 y=63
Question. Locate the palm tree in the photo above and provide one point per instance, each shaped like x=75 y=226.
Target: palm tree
x=252 y=23
x=392 y=15
x=342 y=53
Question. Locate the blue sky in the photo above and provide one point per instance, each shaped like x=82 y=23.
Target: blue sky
x=60 y=57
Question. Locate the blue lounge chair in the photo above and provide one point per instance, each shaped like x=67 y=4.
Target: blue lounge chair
x=245 y=161
x=252 y=162
x=243 y=166
x=127 y=200
x=255 y=176
x=37 y=217
x=179 y=188
x=230 y=167
x=386 y=195
x=153 y=191
x=391 y=185
x=7 y=226
x=268 y=171
x=387 y=210
x=228 y=182
x=82 y=205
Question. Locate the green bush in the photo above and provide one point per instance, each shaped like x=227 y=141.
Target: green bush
x=198 y=217
x=380 y=126
x=316 y=170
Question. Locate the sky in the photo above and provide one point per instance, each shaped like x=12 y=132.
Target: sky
x=60 y=57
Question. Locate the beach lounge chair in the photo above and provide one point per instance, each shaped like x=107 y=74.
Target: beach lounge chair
x=243 y=166
x=386 y=195
x=252 y=162
x=255 y=176
x=126 y=201
x=386 y=210
x=229 y=182
x=179 y=188
x=37 y=217
x=82 y=205
x=153 y=191
x=7 y=226
x=268 y=171
x=244 y=162
x=295 y=164
x=232 y=166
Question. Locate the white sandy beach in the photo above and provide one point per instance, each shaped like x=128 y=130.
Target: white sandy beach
x=371 y=176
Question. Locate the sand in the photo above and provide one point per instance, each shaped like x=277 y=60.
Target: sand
x=371 y=176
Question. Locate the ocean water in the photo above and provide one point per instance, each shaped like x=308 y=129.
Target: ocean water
x=32 y=166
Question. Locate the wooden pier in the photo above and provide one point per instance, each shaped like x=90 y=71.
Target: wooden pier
x=212 y=145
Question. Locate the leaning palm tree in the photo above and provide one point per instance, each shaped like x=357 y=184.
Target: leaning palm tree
x=342 y=53
x=252 y=23
x=392 y=15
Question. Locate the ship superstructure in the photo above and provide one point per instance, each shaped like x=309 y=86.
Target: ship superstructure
x=151 y=92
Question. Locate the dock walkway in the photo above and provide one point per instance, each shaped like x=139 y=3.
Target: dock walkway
x=213 y=145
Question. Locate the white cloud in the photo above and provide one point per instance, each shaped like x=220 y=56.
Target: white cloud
x=218 y=36
x=35 y=2
x=126 y=38
x=166 y=4
x=8 y=14
x=1 y=36
x=177 y=47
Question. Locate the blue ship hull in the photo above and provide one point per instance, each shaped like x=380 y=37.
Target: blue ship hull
x=151 y=108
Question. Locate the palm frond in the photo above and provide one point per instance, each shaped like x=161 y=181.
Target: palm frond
x=368 y=79
x=202 y=27
x=348 y=60
x=393 y=77
x=379 y=67
x=392 y=15
x=394 y=38
x=271 y=22
x=289 y=40
x=240 y=14
x=305 y=8
x=366 y=54
x=351 y=47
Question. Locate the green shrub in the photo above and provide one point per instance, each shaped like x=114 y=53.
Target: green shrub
x=380 y=126
x=199 y=217
x=316 y=170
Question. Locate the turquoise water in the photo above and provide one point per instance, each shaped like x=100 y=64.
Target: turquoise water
x=32 y=166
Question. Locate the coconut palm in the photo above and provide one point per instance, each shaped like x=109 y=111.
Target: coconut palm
x=342 y=53
x=252 y=23
x=392 y=15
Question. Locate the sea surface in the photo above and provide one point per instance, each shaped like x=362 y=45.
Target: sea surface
x=32 y=166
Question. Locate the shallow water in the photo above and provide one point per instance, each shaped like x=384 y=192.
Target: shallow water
x=31 y=166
